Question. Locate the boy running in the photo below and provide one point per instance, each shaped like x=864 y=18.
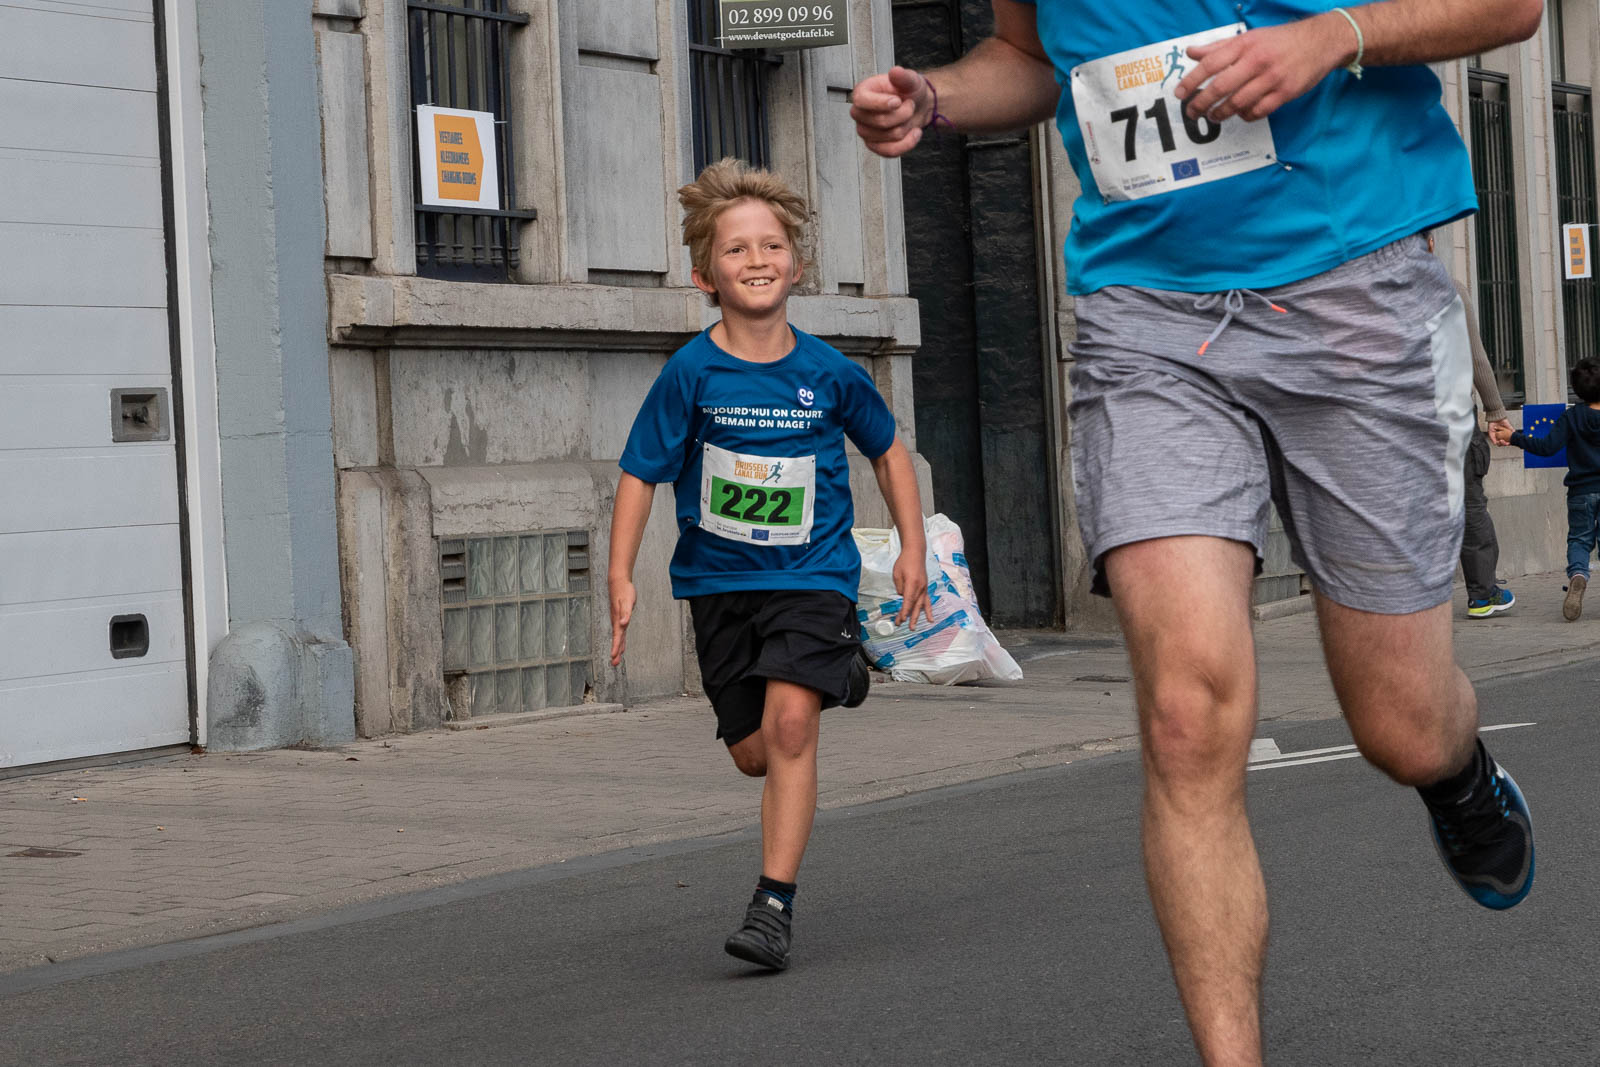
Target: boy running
x=1578 y=431
x=748 y=422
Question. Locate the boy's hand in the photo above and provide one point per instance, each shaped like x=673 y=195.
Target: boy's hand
x=1500 y=431
x=911 y=581
x=623 y=596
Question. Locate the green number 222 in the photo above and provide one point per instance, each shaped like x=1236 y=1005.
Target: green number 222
x=744 y=503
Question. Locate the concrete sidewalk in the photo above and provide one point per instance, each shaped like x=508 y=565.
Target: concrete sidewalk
x=114 y=857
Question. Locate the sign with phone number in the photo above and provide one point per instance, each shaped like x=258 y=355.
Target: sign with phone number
x=778 y=26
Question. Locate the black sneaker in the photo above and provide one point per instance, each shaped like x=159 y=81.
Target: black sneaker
x=764 y=937
x=1486 y=840
x=859 y=683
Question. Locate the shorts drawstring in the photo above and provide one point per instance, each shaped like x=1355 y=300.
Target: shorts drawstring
x=1232 y=304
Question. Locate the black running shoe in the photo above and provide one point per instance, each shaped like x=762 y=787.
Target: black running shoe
x=1486 y=840
x=764 y=937
x=859 y=683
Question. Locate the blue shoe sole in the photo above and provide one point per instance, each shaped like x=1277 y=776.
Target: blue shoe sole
x=1484 y=895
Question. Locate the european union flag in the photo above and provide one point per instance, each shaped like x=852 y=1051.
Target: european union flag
x=1185 y=168
x=1538 y=420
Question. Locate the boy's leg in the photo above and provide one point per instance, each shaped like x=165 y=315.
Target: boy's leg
x=789 y=729
x=805 y=638
x=1581 y=520
x=1184 y=604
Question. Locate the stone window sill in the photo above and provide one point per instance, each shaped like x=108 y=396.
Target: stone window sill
x=413 y=312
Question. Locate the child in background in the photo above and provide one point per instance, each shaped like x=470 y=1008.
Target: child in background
x=1578 y=431
x=748 y=421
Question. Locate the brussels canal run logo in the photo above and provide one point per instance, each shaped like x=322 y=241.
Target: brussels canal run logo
x=775 y=25
x=459 y=165
x=806 y=397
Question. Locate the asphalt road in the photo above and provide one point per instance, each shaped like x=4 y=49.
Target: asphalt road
x=999 y=922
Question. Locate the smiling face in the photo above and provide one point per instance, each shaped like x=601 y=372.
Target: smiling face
x=753 y=264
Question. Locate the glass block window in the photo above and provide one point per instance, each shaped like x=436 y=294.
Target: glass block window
x=516 y=618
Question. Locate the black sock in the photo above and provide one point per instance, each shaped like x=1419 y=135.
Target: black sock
x=780 y=891
x=1460 y=785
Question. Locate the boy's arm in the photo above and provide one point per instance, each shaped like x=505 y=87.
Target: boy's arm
x=898 y=483
x=1550 y=443
x=628 y=517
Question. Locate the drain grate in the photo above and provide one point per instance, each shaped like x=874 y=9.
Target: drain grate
x=44 y=854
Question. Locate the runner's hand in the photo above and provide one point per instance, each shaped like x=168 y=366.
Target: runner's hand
x=1257 y=72
x=890 y=110
x=911 y=581
x=623 y=596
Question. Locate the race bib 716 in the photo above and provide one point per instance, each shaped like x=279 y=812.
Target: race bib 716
x=1140 y=142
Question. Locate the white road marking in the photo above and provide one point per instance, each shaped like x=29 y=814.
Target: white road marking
x=1259 y=759
x=1264 y=748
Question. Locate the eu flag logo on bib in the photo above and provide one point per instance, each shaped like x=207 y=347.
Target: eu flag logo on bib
x=1185 y=168
x=1537 y=421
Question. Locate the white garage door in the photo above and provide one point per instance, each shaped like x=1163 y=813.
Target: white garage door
x=92 y=652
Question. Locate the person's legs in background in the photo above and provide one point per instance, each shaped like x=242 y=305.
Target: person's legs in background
x=1480 y=550
x=1583 y=515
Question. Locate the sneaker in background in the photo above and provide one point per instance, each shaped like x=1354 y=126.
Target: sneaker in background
x=1482 y=609
x=1572 y=607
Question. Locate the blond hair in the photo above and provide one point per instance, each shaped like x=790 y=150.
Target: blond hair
x=724 y=184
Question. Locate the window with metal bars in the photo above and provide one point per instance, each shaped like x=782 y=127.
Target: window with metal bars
x=728 y=91
x=1495 y=225
x=1573 y=123
x=458 y=60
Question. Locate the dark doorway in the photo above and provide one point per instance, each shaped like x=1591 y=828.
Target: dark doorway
x=982 y=395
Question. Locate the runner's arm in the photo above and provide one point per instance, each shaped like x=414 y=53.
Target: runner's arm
x=898 y=483
x=629 y=514
x=1005 y=83
x=1259 y=71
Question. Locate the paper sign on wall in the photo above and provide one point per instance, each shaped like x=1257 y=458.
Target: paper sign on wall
x=456 y=150
x=1577 y=255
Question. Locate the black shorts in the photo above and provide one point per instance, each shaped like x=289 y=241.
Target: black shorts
x=804 y=636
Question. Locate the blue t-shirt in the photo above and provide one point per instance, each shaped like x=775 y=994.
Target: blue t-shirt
x=756 y=454
x=1358 y=162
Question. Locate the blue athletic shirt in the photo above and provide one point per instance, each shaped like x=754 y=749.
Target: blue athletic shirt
x=739 y=435
x=1360 y=162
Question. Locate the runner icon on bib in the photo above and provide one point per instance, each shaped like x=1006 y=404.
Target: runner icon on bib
x=761 y=500
x=1139 y=140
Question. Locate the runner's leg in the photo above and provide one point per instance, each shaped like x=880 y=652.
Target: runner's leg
x=1411 y=710
x=789 y=728
x=1184 y=603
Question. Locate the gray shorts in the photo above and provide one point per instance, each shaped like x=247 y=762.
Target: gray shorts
x=1351 y=410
